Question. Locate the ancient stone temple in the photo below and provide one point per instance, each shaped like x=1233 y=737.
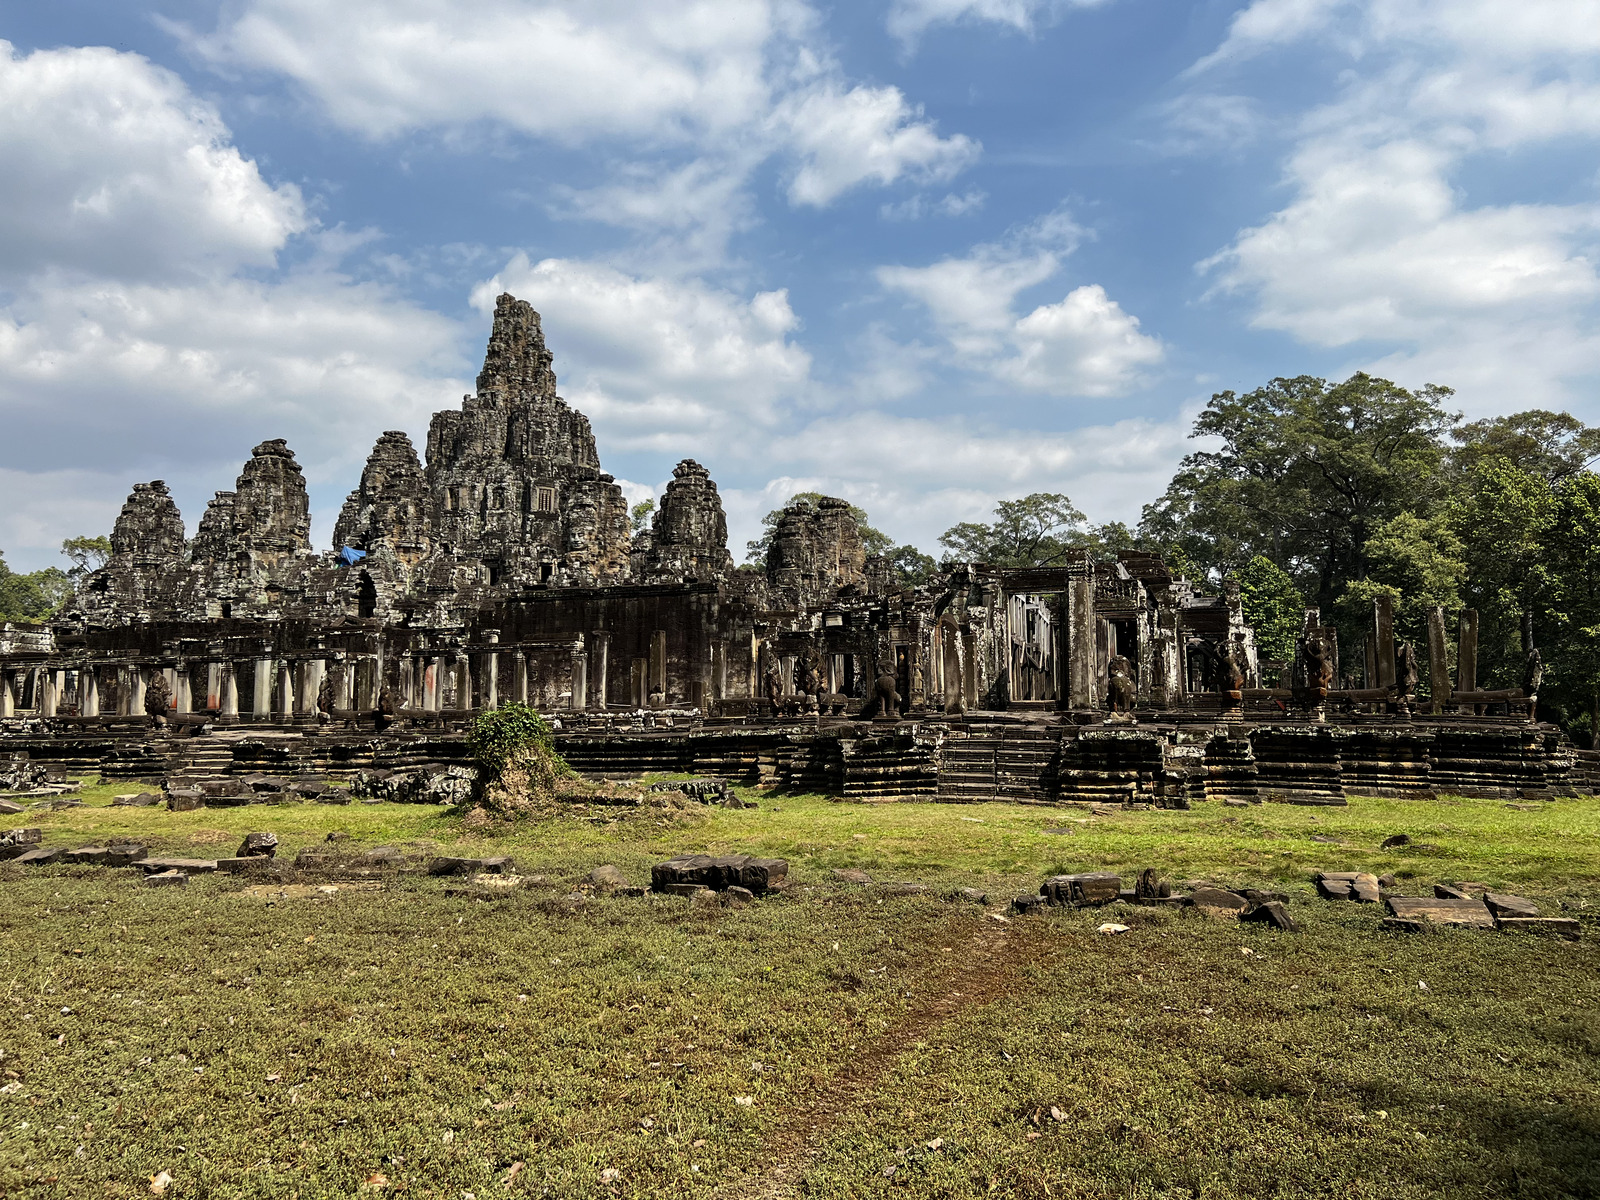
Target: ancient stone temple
x=501 y=567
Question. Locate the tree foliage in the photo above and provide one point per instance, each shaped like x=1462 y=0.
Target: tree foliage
x=1273 y=607
x=641 y=513
x=498 y=737
x=32 y=597
x=86 y=554
x=1039 y=530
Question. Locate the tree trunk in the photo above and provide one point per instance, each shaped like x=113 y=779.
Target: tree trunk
x=1594 y=719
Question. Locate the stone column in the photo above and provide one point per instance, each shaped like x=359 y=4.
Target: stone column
x=580 y=679
x=434 y=683
x=658 y=664
x=719 y=671
x=8 y=693
x=1467 y=652
x=183 y=689
x=229 y=685
x=491 y=671
x=261 y=690
x=1383 y=635
x=286 y=705
x=48 y=693
x=136 y=686
x=1083 y=689
x=601 y=659
x=1438 y=660
x=88 y=692
x=519 y=676
x=214 y=685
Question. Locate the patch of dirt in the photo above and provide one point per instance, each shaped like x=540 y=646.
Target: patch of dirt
x=987 y=969
x=307 y=891
x=210 y=837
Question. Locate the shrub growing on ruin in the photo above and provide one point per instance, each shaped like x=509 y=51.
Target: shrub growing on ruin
x=518 y=766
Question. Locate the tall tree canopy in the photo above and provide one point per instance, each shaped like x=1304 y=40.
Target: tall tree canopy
x=1305 y=473
x=34 y=596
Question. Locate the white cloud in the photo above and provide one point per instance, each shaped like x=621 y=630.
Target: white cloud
x=910 y=19
x=1380 y=243
x=130 y=345
x=1084 y=345
x=914 y=208
x=847 y=137
x=657 y=363
x=112 y=167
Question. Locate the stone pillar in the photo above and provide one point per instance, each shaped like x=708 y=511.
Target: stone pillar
x=213 y=685
x=183 y=689
x=8 y=693
x=719 y=671
x=48 y=692
x=1083 y=683
x=1383 y=635
x=519 y=676
x=580 y=679
x=408 y=684
x=433 y=685
x=88 y=691
x=1467 y=652
x=463 y=670
x=1438 y=660
x=229 y=684
x=969 y=676
x=136 y=691
x=261 y=690
x=347 y=684
x=637 y=682
x=491 y=672
x=600 y=658
x=658 y=663
x=285 y=691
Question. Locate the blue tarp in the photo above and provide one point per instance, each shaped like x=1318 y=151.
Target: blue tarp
x=349 y=556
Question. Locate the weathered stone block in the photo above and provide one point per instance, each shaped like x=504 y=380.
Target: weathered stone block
x=1095 y=887
x=1503 y=905
x=185 y=801
x=1218 y=901
x=258 y=845
x=443 y=865
x=125 y=854
x=1273 y=913
x=1435 y=911
x=10 y=807
x=1565 y=927
x=189 y=866
x=167 y=879
x=759 y=875
x=87 y=855
x=40 y=857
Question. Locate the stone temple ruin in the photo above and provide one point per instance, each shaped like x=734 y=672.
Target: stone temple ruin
x=500 y=566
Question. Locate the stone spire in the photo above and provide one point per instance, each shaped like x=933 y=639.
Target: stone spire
x=816 y=550
x=689 y=535
x=149 y=529
x=517 y=366
x=213 y=541
x=391 y=507
x=271 y=511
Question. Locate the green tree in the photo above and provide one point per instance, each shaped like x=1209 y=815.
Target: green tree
x=911 y=566
x=1273 y=607
x=641 y=513
x=1306 y=471
x=86 y=554
x=1039 y=530
x=1418 y=562
x=32 y=597
x=1567 y=624
x=1550 y=445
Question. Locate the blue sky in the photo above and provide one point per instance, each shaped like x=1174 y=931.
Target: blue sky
x=924 y=254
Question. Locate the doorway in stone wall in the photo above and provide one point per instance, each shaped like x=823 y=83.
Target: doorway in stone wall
x=902 y=676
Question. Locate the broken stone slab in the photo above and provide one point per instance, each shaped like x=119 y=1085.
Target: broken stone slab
x=40 y=857
x=973 y=894
x=1273 y=913
x=16 y=842
x=1436 y=911
x=1263 y=896
x=1359 y=886
x=167 y=879
x=1023 y=905
x=1566 y=927
x=310 y=860
x=140 y=800
x=1445 y=892
x=1094 y=887
x=258 y=845
x=1218 y=901
x=125 y=854
x=852 y=875
x=739 y=895
x=234 y=800
x=336 y=796
x=607 y=878
x=384 y=856
x=1503 y=905
x=189 y=866
x=759 y=875
x=443 y=865
x=10 y=807
x=1150 y=886
x=87 y=855
x=185 y=801
x=681 y=889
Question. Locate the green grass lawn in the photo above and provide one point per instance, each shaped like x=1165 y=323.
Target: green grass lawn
x=833 y=1042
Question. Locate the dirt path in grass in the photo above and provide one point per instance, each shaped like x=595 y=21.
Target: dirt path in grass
x=985 y=968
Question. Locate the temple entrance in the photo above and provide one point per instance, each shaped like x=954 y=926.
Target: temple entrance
x=902 y=676
x=1035 y=637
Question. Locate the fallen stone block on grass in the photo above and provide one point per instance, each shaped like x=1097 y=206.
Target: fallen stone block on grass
x=444 y=865
x=167 y=879
x=606 y=877
x=1434 y=910
x=138 y=800
x=973 y=894
x=16 y=842
x=125 y=854
x=1094 y=887
x=1272 y=912
x=1023 y=905
x=10 y=807
x=251 y=862
x=185 y=800
x=384 y=856
x=189 y=866
x=1217 y=902
x=759 y=875
x=40 y=856
x=1360 y=886
x=1503 y=905
x=258 y=845
x=1445 y=892
x=87 y=856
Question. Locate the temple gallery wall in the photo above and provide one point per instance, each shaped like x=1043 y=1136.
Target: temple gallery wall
x=500 y=565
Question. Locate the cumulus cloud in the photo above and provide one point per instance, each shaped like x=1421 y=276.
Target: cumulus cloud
x=1084 y=345
x=145 y=331
x=1380 y=244
x=658 y=363
x=723 y=84
x=113 y=167
x=910 y=19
